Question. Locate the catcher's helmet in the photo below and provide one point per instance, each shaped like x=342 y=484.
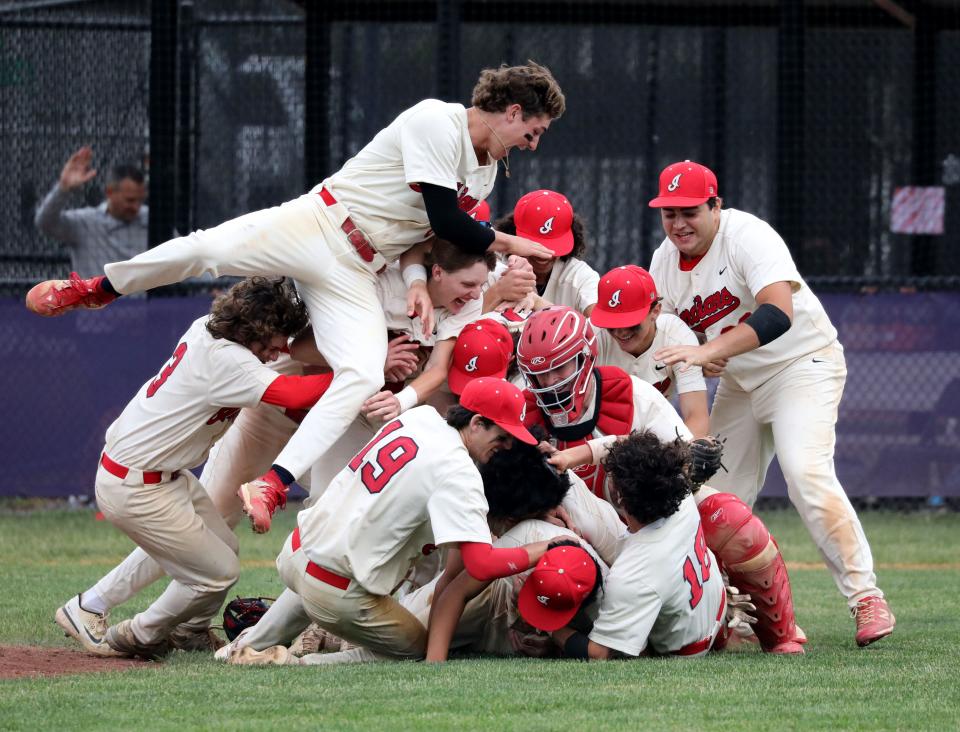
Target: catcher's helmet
x=556 y=354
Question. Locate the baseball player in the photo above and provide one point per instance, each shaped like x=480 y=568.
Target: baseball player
x=419 y=176
x=664 y=593
x=144 y=485
x=520 y=491
x=414 y=488
x=631 y=327
x=481 y=350
x=730 y=277
x=576 y=401
x=548 y=217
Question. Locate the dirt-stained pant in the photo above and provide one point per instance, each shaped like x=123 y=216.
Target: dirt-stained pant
x=178 y=527
x=300 y=239
x=794 y=416
x=377 y=622
x=243 y=453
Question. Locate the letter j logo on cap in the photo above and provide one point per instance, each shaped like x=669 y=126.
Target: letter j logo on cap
x=675 y=183
x=471 y=365
x=615 y=299
x=547 y=225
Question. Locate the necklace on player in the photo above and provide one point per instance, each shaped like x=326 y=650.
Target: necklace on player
x=506 y=156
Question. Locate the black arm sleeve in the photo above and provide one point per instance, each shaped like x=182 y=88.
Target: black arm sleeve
x=577 y=646
x=769 y=321
x=450 y=223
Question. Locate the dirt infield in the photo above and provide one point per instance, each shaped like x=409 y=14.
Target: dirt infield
x=21 y=662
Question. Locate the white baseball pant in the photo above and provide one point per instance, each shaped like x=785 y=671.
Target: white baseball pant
x=300 y=239
x=244 y=452
x=794 y=416
x=176 y=524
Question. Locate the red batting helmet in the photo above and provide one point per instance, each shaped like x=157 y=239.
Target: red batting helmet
x=551 y=339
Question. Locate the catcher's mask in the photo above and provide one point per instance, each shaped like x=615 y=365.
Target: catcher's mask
x=556 y=355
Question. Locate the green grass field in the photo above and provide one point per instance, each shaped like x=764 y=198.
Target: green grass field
x=907 y=681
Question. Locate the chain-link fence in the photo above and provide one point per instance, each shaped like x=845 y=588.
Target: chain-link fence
x=817 y=116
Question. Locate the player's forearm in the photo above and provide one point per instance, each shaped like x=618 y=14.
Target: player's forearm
x=304 y=349
x=444 y=615
x=693 y=409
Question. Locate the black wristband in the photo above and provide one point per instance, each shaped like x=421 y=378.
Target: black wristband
x=285 y=475
x=577 y=647
x=769 y=322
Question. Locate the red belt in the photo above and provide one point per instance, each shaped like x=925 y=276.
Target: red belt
x=354 y=235
x=317 y=572
x=692 y=649
x=149 y=476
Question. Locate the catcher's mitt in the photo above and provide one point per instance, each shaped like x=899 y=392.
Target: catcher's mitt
x=242 y=613
x=705 y=455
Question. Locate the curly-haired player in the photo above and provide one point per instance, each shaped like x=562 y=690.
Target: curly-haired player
x=144 y=484
x=664 y=593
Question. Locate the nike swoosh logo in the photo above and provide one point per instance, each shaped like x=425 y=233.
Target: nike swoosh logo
x=660 y=368
x=723 y=270
x=820 y=360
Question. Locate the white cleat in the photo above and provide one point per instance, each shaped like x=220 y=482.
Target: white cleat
x=273 y=656
x=87 y=628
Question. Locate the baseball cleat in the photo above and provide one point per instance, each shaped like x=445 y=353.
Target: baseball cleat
x=224 y=652
x=189 y=639
x=261 y=498
x=787 y=648
x=120 y=638
x=273 y=656
x=87 y=628
x=315 y=640
x=56 y=297
x=874 y=619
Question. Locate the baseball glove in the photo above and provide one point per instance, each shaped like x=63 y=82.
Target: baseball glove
x=705 y=455
x=242 y=613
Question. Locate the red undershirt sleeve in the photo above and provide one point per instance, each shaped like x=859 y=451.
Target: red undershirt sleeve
x=484 y=563
x=297 y=392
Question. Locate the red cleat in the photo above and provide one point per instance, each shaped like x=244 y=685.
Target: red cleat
x=261 y=498
x=874 y=620
x=56 y=297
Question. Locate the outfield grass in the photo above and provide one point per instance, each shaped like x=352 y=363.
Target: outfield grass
x=907 y=681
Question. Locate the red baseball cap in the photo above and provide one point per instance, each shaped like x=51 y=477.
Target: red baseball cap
x=556 y=588
x=499 y=401
x=481 y=212
x=624 y=297
x=482 y=349
x=686 y=184
x=546 y=217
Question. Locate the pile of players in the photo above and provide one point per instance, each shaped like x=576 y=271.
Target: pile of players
x=450 y=507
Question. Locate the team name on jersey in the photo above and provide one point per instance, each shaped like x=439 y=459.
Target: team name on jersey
x=710 y=310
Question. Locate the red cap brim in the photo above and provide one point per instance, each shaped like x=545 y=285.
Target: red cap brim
x=677 y=201
x=537 y=615
x=559 y=245
x=606 y=319
x=518 y=431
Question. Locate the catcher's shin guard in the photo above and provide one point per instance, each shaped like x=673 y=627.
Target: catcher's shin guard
x=752 y=560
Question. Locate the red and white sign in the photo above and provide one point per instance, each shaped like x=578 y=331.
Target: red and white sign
x=917 y=210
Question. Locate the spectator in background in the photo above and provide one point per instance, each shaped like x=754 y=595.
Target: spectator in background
x=114 y=231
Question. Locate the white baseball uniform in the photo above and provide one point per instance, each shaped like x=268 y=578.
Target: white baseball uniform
x=668 y=379
x=664 y=591
x=488 y=618
x=244 y=452
x=413 y=488
x=573 y=283
x=144 y=486
x=780 y=399
x=375 y=196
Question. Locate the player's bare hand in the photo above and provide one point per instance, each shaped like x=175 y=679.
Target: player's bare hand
x=517 y=281
x=383 y=406
x=402 y=359
x=510 y=244
x=77 y=171
x=420 y=304
x=686 y=355
x=714 y=368
x=559 y=517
